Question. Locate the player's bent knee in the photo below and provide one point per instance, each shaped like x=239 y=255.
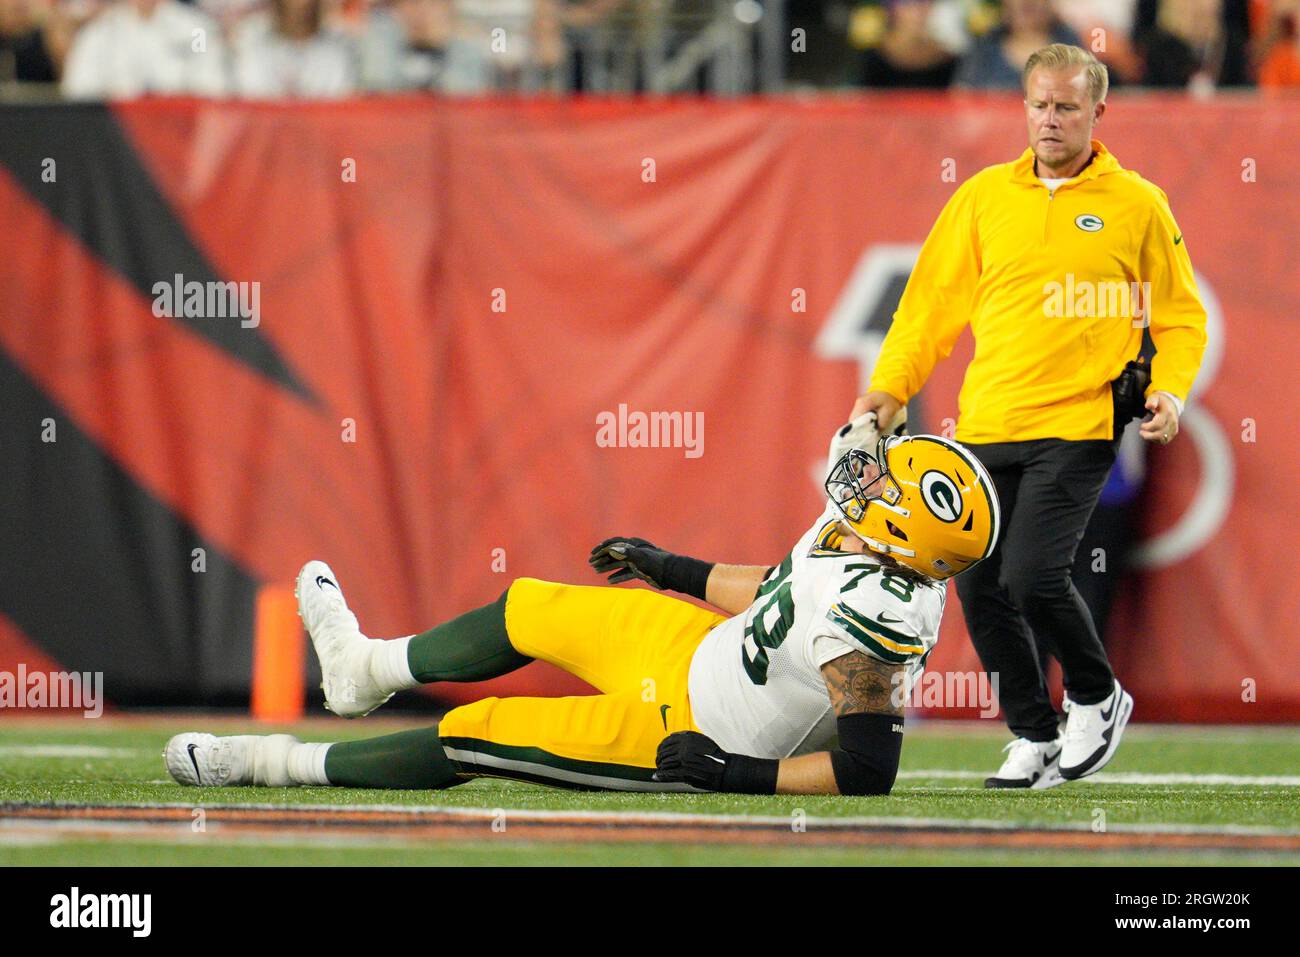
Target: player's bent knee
x=1029 y=585
x=533 y=597
x=468 y=720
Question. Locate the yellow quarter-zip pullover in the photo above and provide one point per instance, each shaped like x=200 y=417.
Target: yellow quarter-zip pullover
x=1053 y=285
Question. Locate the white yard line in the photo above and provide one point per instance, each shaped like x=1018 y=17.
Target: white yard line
x=65 y=751
x=924 y=774
x=1127 y=777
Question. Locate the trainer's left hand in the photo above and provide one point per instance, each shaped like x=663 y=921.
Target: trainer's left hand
x=1163 y=424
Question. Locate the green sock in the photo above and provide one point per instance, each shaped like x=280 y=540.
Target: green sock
x=408 y=759
x=471 y=647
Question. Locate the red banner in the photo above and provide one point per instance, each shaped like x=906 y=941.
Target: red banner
x=475 y=300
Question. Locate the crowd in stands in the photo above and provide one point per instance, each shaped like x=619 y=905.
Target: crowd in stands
x=1197 y=45
x=113 y=49
x=96 y=49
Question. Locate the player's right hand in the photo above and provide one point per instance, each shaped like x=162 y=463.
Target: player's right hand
x=693 y=758
x=629 y=558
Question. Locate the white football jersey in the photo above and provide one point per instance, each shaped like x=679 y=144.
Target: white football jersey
x=755 y=683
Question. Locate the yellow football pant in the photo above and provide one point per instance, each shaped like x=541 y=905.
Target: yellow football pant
x=634 y=645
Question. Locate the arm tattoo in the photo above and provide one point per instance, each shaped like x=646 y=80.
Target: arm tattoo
x=860 y=684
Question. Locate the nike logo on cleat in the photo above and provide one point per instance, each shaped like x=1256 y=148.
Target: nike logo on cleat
x=322 y=581
x=198 y=778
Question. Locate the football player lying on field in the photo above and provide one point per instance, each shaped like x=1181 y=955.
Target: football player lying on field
x=826 y=643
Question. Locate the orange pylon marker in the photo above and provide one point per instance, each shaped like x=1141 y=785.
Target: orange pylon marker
x=279 y=656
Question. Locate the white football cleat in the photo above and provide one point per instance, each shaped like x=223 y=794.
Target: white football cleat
x=1030 y=764
x=1092 y=733
x=204 y=760
x=344 y=652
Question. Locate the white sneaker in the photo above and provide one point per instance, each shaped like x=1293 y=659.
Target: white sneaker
x=1030 y=764
x=1051 y=776
x=1092 y=733
x=344 y=652
x=204 y=760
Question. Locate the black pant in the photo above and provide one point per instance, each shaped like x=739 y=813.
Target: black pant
x=1110 y=529
x=1047 y=488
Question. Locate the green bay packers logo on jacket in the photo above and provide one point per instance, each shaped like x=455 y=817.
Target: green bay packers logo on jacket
x=1089 y=223
x=941 y=496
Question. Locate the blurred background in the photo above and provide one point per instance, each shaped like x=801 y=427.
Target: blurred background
x=470 y=230
x=336 y=48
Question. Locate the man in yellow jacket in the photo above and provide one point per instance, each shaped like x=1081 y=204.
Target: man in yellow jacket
x=1057 y=261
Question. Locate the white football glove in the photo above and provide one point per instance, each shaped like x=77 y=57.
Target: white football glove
x=862 y=434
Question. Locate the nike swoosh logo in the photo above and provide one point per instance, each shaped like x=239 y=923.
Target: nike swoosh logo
x=322 y=581
x=198 y=778
x=889 y=620
x=1178 y=240
x=663 y=714
x=1110 y=727
x=714 y=757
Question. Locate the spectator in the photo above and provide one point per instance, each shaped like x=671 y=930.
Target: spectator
x=424 y=45
x=136 y=47
x=523 y=38
x=956 y=23
x=62 y=22
x=1237 y=15
x=386 y=46
x=1192 y=47
x=995 y=60
x=1106 y=27
x=285 y=51
x=588 y=28
x=227 y=13
x=1280 y=47
x=25 y=54
x=907 y=56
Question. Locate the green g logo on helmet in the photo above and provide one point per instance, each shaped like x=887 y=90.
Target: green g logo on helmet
x=941 y=496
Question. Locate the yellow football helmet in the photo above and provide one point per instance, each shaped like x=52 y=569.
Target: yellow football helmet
x=923 y=500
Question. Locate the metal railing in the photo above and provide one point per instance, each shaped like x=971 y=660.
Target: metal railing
x=721 y=47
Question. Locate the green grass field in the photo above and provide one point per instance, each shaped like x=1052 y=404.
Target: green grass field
x=1205 y=779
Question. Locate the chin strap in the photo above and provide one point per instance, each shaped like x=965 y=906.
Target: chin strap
x=886 y=549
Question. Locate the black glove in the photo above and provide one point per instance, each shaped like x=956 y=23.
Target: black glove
x=696 y=759
x=631 y=558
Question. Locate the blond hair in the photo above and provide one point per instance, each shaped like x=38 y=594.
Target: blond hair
x=1063 y=56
